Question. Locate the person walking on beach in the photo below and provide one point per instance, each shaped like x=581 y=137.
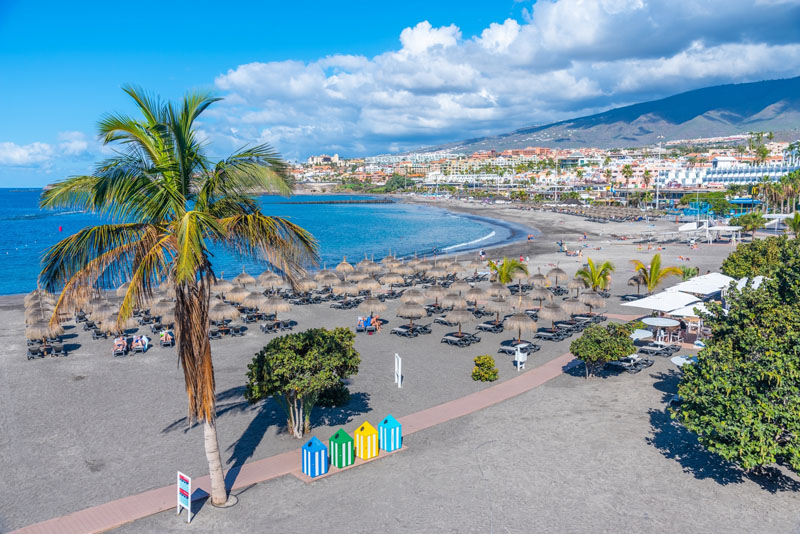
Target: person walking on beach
x=483 y=254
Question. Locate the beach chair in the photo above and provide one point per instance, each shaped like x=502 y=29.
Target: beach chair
x=404 y=331
x=656 y=350
x=118 y=351
x=237 y=331
x=547 y=335
x=286 y=324
x=269 y=327
x=167 y=343
x=511 y=347
x=457 y=341
x=422 y=328
x=156 y=327
x=80 y=317
x=59 y=350
x=443 y=320
x=135 y=349
x=97 y=334
x=34 y=352
x=250 y=318
x=214 y=334
x=630 y=364
x=89 y=325
x=490 y=326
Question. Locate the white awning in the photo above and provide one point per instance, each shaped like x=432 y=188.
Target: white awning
x=704 y=285
x=725 y=228
x=688 y=311
x=665 y=301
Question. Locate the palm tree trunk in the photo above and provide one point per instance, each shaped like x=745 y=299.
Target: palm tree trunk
x=219 y=494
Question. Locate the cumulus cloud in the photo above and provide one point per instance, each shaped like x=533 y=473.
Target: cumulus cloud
x=16 y=155
x=72 y=143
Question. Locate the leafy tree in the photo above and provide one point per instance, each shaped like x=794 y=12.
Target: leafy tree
x=750 y=222
x=760 y=258
x=716 y=200
x=601 y=344
x=596 y=275
x=297 y=368
x=688 y=272
x=654 y=274
x=742 y=397
x=166 y=203
x=505 y=270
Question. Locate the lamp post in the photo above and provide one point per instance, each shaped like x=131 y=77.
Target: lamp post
x=660 y=138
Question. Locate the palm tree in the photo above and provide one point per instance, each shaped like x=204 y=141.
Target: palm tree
x=646 y=178
x=654 y=274
x=596 y=276
x=794 y=224
x=505 y=271
x=167 y=203
x=688 y=273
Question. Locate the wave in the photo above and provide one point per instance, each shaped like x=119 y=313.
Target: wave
x=468 y=243
x=40 y=215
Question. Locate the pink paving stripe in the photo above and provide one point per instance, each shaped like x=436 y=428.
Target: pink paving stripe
x=116 y=513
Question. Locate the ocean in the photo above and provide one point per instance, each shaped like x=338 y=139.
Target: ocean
x=351 y=230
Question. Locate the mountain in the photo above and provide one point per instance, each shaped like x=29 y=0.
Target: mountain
x=718 y=111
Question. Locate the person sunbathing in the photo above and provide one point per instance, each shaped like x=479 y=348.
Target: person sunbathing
x=119 y=344
x=377 y=322
x=360 y=323
x=137 y=342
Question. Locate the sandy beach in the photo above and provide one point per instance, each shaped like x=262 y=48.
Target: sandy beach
x=573 y=455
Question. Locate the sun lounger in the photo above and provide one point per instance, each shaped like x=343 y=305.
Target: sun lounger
x=404 y=331
x=422 y=328
x=594 y=317
x=464 y=340
x=286 y=324
x=525 y=346
x=548 y=335
x=59 y=350
x=89 y=325
x=270 y=327
x=214 y=334
x=250 y=318
x=491 y=326
x=630 y=364
x=237 y=331
x=117 y=351
x=97 y=334
x=34 y=352
x=170 y=343
x=659 y=350
x=443 y=320
x=630 y=298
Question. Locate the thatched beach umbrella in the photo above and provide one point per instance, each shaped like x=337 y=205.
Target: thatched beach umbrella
x=523 y=302
x=422 y=266
x=459 y=315
x=305 y=285
x=455 y=267
x=41 y=330
x=372 y=268
x=237 y=294
x=392 y=278
x=222 y=286
x=541 y=295
x=254 y=299
x=573 y=306
x=520 y=322
x=104 y=311
x=244 y=279
x=161 y=307
x=497 y=305
x=276 y=305
x=368 y=284
x=413 y=295
x=327 y=280
x=404 y=269
x=344 y=268
x=435 y=292
x=436 y=272
x=344 y=288
x=498 y=290
x=551 y=311
x=474 y=265
x=460 y=286
x=357 y=276
x=267 y=278
x=411 y=311
x=538 y=279
x=476 y=294
x=363 y=263
x=555 y=274
x=113 y=324
x=222 y=312
x=454 y=300
x=592 y=300
x=577 y=284
x=372 y=305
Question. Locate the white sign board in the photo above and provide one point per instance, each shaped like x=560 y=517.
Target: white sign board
x=185 y=495
x=398 y=370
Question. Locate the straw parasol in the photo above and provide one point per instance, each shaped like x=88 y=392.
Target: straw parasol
x=437 y=272
x=476 y=294
x=423 y=265
x=498 y=290
x=577 y=284
x=555 y=274
x=41 y=330
x=344 y=268
x=244 y=279
x=538 y=279
x=221 y=312
x=237 y=294
x=523 y=302
x=372 y=268
x=372 y=305
x=253 y=299
x=459 y=315
x=368 y=284
x=389 y=260
x=541 y=295
x=497 y=305
x=344 y=288
x=357 y=276
x=319 y=275
x=305 y=285
x=436 y=292
x=222 y=286
x=327 y=280
x=454 y=267
x=104 y=311
x=573 y=306
x=552 y=312
x=519 y=322
x=162 y=306
x=411 y=311
x=474 y=265
x=403 y=268
x=592 y=300
x=413 y=295
x=454 y=300
x=363 y=263
x=268 y=279
x=113 y=325
x=275 y=305
x=123 y=289
x=392 y=278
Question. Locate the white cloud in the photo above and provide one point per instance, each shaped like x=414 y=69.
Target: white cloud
x=423 y=36
x=16 y=155
x=72 y=143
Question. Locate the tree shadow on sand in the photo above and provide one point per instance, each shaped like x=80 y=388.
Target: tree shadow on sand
x=677 y=443
x=223 y=407
x=341 y=415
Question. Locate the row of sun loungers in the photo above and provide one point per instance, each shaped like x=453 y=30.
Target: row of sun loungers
x=659 y=350
x=464 y=339
x=411 y=330
x=630 y=364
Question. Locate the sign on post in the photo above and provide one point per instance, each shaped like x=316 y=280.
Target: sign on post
x=398 y=370
x=185 y=495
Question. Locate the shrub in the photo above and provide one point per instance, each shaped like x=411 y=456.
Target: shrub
x=484 y=370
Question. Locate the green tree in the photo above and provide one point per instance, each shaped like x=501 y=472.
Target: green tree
x=794 y=224
x=750 y=222
x=688 y=272
x=601 y=344
x=654 y=273
x=596 y=275
x=742 y=397
x=505 y=270
x=760 y=258
x=167 y=203
x=297 y=368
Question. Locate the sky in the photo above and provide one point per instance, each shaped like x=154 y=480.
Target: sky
x=361 y=78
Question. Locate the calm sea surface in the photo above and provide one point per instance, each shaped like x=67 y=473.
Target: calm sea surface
x=342 y=230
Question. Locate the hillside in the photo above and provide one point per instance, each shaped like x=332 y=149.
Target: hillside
x=722 y=110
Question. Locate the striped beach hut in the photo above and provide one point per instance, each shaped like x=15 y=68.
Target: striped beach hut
x=315 y=458
x=390 y=434
x=366 y=441
x=341 y=447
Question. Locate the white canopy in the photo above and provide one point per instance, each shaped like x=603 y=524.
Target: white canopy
x=725 y=228
x=704 y=285
x=688 y=311
x=665 y=301
x=756 y=282
x=779 y=215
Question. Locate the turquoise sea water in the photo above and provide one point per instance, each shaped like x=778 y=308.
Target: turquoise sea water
x=342 y=230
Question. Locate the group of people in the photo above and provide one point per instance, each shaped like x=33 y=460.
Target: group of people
x=138 y=342
x=372 y=320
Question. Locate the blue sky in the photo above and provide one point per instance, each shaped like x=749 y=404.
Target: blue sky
x=362 y=77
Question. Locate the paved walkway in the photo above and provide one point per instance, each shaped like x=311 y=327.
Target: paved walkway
x=113 y=514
